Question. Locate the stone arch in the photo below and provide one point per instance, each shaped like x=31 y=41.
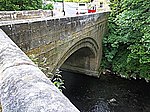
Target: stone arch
x=88 y=42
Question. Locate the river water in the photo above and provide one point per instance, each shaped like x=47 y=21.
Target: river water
x=107 y=94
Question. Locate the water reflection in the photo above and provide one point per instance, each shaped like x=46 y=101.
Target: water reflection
x=107 y=94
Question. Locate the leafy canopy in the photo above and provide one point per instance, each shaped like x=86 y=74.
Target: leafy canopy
x=127 y=44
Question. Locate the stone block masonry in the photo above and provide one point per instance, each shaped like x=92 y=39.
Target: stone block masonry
x=58 y=39
x=23 y=87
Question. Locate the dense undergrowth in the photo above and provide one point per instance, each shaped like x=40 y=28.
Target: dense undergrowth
x=126 y=47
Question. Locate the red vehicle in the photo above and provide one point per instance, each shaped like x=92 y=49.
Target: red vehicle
x=92 y=9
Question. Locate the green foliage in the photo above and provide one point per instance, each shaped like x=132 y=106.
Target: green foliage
x=44 y=67
x=83 y=1
x=58 y=0
x=42 y=64
x=127 y=44
x=71 y=0
x=48 y=7
x=57 y=80
x=17 y=5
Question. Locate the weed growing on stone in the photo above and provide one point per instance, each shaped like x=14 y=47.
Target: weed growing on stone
x=43 y=65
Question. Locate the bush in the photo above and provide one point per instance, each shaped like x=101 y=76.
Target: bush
x=126 y=48
x=48 y=7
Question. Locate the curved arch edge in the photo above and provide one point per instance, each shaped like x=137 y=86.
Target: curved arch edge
x=86 y=42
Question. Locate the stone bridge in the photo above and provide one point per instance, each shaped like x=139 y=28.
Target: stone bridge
x=72 y=43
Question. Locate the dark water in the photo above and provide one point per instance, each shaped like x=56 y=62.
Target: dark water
x=107 y=94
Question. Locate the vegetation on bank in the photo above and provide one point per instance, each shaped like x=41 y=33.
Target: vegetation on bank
x=126 y=47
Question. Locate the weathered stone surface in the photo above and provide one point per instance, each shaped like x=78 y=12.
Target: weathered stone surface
x=23 y=87
x=59 y=38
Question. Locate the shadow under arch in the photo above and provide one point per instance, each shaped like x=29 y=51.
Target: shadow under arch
x=89 y=43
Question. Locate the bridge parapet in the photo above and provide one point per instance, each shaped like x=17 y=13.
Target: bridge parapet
x=23 y=87
x=17 y=15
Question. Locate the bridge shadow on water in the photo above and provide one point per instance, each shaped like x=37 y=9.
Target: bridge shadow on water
x=106 y=94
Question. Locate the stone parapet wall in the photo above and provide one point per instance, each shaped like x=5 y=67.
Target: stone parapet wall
x=23 y=87
x=17 y=15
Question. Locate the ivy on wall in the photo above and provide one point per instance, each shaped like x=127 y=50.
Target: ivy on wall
x=126 y=47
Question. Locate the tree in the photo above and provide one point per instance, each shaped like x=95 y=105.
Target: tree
x=10 y=5
x=127 y=45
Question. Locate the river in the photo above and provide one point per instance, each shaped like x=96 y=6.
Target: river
x=106 y=94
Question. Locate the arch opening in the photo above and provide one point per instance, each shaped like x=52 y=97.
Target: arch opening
x=82 y=57
x=81 y=61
